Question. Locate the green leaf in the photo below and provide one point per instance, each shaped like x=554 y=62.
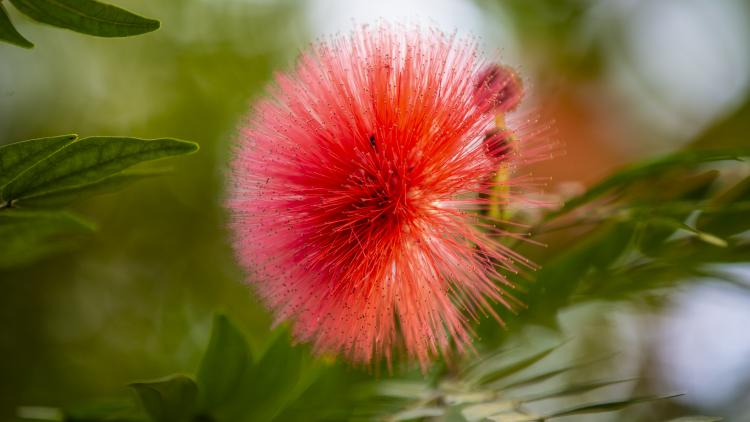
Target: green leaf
x=90 y=160
x=223 y=365
x=87 y=17
x=30 y=235
x=729 y=211
x=66 y=196
x=647 y=169
x=17 y=157
x=168 y=400
x=418 y=413
x=279 y=377
x=8 y=32
x=486 y=377
x=697 y=419
x=122 y=409
x=570 y=390
x=608 y=406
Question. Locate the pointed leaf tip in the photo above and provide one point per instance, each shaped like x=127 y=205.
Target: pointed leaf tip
x=8 y=32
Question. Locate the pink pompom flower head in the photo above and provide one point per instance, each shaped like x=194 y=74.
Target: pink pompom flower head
x=361 y=187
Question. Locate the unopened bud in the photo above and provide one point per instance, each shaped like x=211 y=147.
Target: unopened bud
x=498 y=88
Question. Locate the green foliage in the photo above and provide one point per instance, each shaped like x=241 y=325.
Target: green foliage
x=30 y=235
x=169 y=400
x=643 y=228
x=284 y=384
x=493 y=390
x=39 y=175
x=85 y=16
x=223 y=365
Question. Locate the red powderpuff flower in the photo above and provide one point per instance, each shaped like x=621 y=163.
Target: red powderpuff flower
x=358 y=192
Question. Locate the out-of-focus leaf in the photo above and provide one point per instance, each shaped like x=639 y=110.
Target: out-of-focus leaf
x=653 y=233
x=90 y=160
x=728 y=132
x=110 y=410
x=87 y=17
x=8 y=32
x=30 y=235
x=573 y=389
x=561 y=277
x=17 y=157
x=728 y=213
x=697 y=419
x=66 y=196
x=169 y=400
x=488 y=376
x=640 y=171
x=325 y=399
x=608 y=406
x=224 y=364
x=276 y=380
x=418 y=413
x=454 y=414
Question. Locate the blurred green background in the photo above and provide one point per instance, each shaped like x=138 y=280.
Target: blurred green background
x=619 y=80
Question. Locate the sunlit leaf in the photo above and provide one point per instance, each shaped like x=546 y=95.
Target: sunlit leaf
x=8 y=32
x=171 y=399
x=87 y=16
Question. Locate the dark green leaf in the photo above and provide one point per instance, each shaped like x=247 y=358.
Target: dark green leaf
x=30 y=235
x=86 y=16
x=609 y=406
x=224 y=364
x=562 y=276
x=90 y=160
x=169 y=400
x=8 y=32
x=64 y=197
x=17 y=157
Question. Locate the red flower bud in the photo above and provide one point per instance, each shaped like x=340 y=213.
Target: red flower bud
x=498 y=88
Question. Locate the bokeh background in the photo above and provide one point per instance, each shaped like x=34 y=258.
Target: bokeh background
x=618 y=81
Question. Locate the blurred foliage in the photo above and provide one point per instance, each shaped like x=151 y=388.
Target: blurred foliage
x=285 y=384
